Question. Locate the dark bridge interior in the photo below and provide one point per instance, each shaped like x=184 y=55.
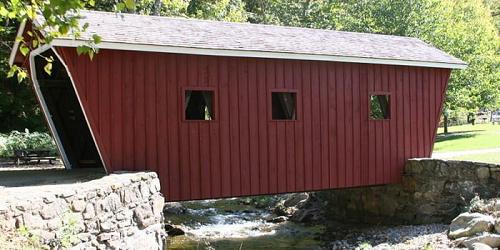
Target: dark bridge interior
x=67 y=114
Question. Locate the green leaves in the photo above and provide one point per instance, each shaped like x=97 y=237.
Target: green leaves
x=90 y=48
x=96 y=38
x=19 y=72
x=130 y=4
x=48 y=65
x=30 y=12
x=24 y=50
x=87 y=49
x=81 y=50
x=91 y=54
x=21 y=75
x=120 y=7
x=3 y=11
x=126 y=4
x=12 y=71
x=48 y=68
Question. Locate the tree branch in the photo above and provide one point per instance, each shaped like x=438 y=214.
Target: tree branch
x=7 y=44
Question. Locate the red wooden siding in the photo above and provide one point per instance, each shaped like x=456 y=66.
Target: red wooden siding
x=134 y=103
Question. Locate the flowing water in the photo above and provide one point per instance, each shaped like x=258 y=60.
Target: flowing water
x=238 y=224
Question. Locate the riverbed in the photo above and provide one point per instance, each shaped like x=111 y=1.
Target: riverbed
x=239 y=224
x=245 y=223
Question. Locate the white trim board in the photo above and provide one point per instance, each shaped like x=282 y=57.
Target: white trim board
x=254 y=54
x=13 y=52
x=45 y=109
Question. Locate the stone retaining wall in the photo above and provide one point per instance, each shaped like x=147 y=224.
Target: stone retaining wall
x=118 y=211
x=431 y=191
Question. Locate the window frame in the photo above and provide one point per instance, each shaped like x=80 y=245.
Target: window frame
x=270 y=100
x=375 y=93
x=198 y=88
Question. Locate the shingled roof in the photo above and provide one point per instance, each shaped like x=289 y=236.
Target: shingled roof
x=192 y=36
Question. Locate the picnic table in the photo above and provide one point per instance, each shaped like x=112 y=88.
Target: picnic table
x=27 y=156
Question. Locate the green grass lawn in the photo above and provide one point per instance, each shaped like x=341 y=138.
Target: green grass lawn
x=468 y=137
x=486 y=157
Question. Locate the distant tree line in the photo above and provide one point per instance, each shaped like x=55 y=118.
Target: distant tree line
x=467 y=29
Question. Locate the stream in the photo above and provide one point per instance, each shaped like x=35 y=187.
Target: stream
x=238 y=223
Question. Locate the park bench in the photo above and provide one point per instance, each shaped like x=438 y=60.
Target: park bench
x=27 y=156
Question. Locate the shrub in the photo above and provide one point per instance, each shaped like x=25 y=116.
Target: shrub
x=3 y=141
x=25 y=141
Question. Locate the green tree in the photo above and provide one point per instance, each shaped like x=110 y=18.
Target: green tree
x=466 y=30
x=494 y=6
x=299 y=13
x=18 y=106
x=223 y=10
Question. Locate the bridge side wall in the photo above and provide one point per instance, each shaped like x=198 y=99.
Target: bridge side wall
x=134 y=102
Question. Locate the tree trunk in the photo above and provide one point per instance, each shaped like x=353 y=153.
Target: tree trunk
x=156 y=8
x=445 y=123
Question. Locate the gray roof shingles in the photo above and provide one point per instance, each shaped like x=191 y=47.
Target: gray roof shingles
x=203 y=34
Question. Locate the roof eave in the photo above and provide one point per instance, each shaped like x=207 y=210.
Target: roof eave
x=255 y=54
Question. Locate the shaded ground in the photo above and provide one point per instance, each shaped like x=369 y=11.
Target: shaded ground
x=31 y=177
x=9 y=164
x=24 y=181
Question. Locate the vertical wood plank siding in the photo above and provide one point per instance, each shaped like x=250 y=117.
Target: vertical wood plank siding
x=134 y=103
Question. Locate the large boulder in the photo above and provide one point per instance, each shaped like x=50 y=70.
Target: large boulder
x=469 y=224
x=307 y=215
x=174 y=208
x=278 y=219
x=492 y=240
x=175 y=231
x=296 y=200
x=291 y=204
x=491 y=206
x=480 y=246
x=497 y=225
x=282 y=210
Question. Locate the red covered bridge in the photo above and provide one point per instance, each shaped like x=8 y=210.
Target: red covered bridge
x=222 y=109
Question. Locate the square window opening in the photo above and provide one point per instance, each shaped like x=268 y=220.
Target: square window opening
x=284 y=105
x=380 y=107
x=198 y=105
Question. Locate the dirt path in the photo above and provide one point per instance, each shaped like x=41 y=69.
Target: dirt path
x=448 y=155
